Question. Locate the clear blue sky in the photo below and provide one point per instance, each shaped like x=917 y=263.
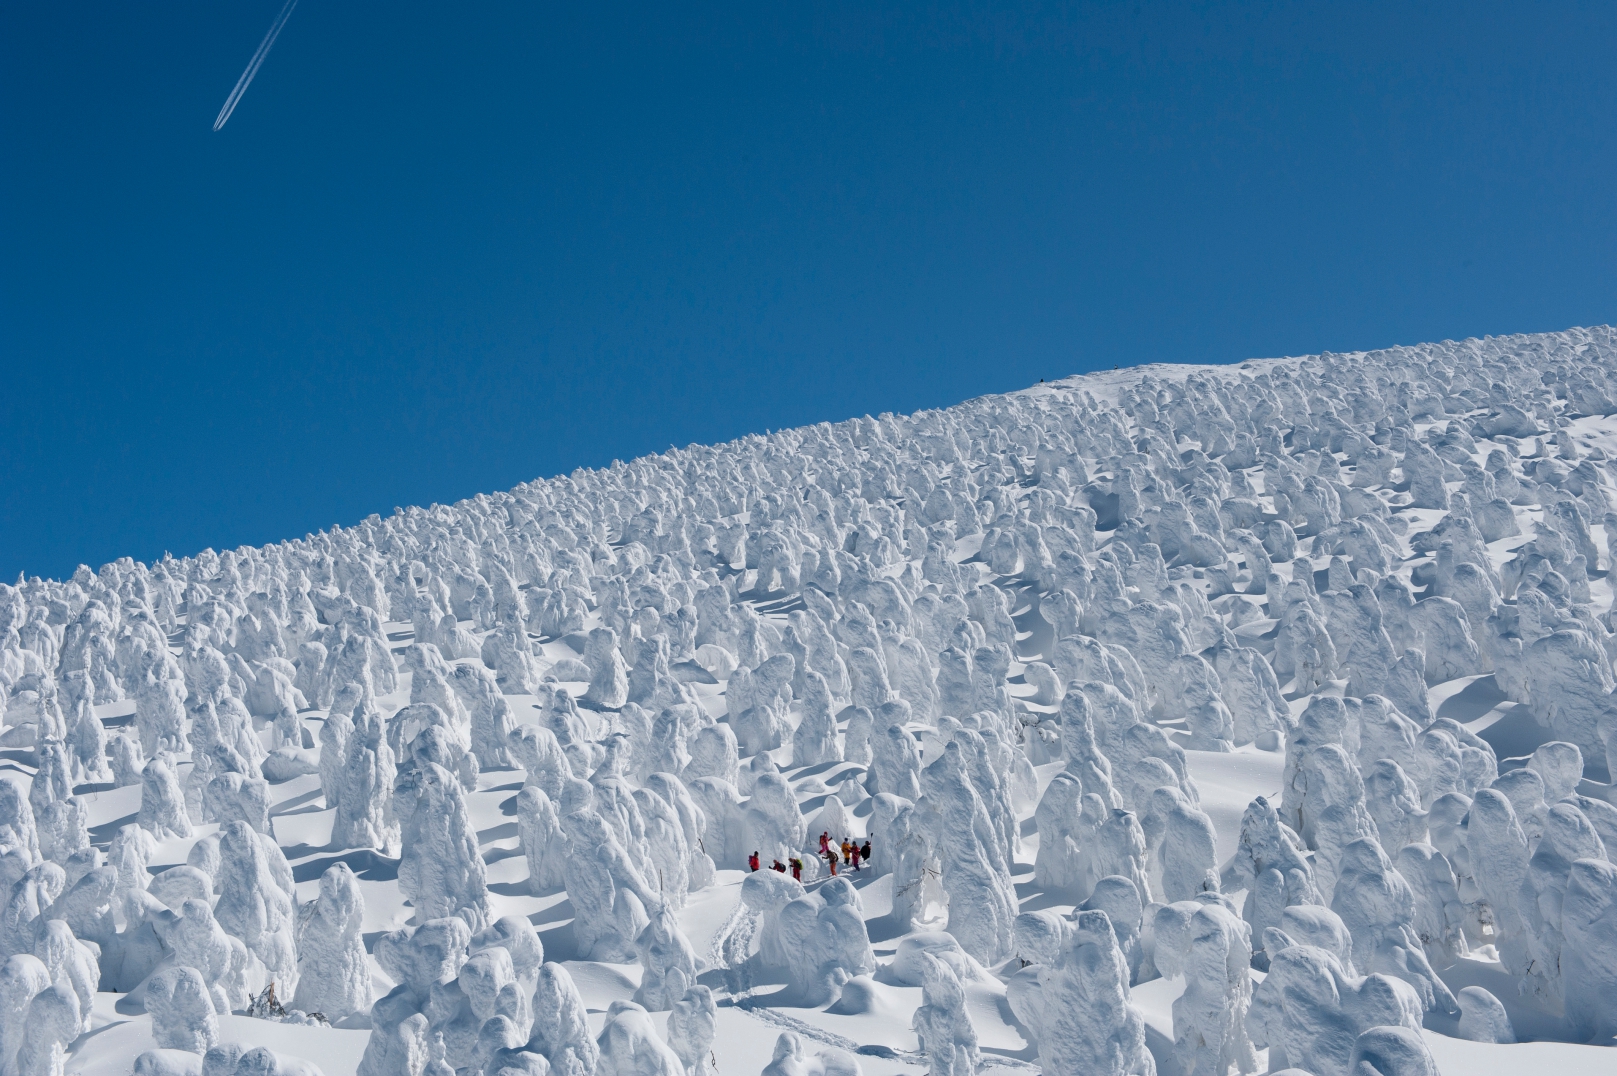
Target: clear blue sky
x=445 y=248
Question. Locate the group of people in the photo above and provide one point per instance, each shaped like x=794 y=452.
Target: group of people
x=850 y=852
x=849 y=849
x=754 y=863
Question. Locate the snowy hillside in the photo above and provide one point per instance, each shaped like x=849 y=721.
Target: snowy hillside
x=1199 y=720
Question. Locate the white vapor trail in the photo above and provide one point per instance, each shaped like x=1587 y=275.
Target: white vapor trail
x=254 y=64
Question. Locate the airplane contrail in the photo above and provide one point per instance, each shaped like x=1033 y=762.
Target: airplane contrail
x=254 y=64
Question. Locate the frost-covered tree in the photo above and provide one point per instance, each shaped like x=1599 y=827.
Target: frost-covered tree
x=692 y=1025
x=942 y=1024
x=333 y=976
x=630 y=1045
x=182 y=1012
x=560 y=1026
x=1084 y=1022
x=255 y=904
x=364 y=816
x=982 y=900
x=442 y=869
x=667 y=961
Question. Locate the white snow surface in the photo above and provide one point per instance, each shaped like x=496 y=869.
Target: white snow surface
x=1201 y=719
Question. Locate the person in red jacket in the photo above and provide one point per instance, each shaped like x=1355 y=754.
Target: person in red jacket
x=752 y=861
x=797 y=868
x=853 y=854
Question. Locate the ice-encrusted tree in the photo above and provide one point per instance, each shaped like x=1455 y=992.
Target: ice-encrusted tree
x=255 y=903
x=1209 y=1018
x=942 y=1024
x=1378 y=907
x=667 y=961
x=1085 y=1022
x=982 y=900
x=442 y=869
x=333 y=976
x=561 y=1029
x=630 y=1045
x=365 y=816
x=182 y=1012
x=692 y=1025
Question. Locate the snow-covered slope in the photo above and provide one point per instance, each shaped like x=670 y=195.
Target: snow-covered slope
x=1199 y=720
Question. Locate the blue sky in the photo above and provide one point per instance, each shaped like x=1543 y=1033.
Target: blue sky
x=441 y=249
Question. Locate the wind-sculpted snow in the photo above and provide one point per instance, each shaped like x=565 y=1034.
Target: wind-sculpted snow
x=1198 y=719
